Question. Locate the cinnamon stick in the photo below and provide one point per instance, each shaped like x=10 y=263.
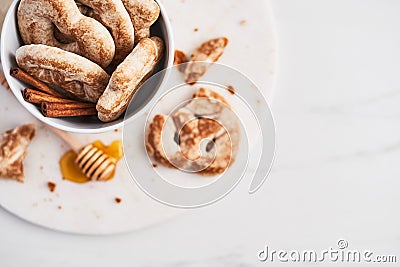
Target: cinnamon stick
x=52 y=111
x=37 y=97
x=72 y=105
x=41 y=86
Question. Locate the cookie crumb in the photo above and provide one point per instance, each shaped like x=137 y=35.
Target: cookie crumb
x=180 y=57
x=231 y=89
x=59 y=207
x=51 y=186
x=4 y=82
x=154 y=165
x=243 y=22
x=116 y=130
x=196 y=29
x=118 y=200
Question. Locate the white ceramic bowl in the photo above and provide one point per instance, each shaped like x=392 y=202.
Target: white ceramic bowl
x=11 y=41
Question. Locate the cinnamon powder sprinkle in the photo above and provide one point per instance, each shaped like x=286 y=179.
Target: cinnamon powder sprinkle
x=118 y=200
x=51 y=186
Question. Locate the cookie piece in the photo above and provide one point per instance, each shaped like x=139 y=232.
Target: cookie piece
x=13 y=147
x=38 y=18
x=208 y=52
x=203 y=136
x=79 y=76
x=128 y=77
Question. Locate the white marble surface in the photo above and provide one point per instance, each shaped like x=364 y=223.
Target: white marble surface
x=95 y=211
x=336 y=173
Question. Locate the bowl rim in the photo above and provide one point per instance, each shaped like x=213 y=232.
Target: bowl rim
x=169 y=59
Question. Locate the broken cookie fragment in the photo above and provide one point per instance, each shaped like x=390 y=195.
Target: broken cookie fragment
x=180 y=58
x=13 y=147
x=153 y=140
x=208 y=52
x=202 y=136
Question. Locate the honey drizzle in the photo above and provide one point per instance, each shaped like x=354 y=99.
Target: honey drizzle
x=70 y=171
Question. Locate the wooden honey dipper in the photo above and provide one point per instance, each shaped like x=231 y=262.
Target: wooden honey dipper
x=94 y=163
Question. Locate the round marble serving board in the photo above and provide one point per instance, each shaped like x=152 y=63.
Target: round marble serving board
x=91 y=208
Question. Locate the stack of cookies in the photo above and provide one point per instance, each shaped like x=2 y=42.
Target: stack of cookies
x=86 y=57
